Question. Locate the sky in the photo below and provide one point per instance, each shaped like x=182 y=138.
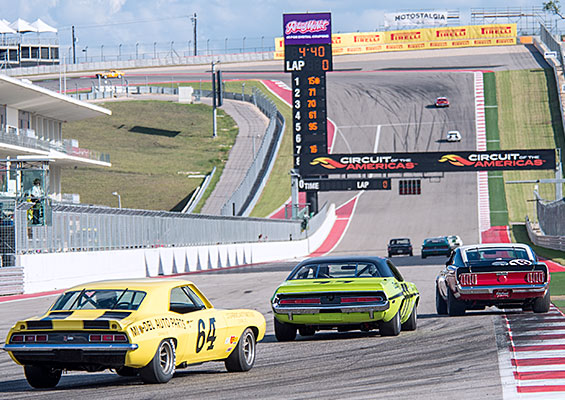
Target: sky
x=101 y=25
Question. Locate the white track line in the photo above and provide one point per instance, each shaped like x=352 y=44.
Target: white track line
x=482 y=177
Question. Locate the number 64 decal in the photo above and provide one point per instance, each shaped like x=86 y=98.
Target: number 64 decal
x=202 y=338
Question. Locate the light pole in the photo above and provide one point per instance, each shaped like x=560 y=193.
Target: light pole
x=243 y=49
x=120 y=51
x=85 y=53
x=208 y=47
x=262 y=37
x=102 y=52
x=136 y=50
x=226 y=46
x=154 y=49
x=119 y=199
x=194 y=20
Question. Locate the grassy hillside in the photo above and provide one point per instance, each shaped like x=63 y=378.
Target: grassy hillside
x=153 y=147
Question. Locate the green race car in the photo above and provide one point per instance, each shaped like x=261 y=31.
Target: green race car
x=344 y=293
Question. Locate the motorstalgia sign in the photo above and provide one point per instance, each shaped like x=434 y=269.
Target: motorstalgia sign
x=416 y=18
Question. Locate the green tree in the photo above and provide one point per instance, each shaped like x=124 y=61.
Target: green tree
x=554 y=7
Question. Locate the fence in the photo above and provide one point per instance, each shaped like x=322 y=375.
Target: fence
x=93 y=228
x=551 y=216
x=552 y=43
x=548 y=241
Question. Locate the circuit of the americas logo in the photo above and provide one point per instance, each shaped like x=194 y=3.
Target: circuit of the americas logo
x=372 y=163
x=496 y=160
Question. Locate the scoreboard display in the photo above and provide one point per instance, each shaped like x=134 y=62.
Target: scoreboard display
x=308 y=56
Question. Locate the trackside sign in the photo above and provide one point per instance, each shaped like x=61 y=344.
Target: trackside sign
x=447 y=161
x=312 y=28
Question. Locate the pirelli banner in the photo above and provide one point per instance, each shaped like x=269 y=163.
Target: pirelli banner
x=428 y=162
x=417 y=39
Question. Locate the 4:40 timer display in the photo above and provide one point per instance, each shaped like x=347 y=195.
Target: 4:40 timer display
x=309 y=58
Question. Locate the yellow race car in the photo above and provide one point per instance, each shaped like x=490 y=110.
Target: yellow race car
x=111 y=73
x=146 y=327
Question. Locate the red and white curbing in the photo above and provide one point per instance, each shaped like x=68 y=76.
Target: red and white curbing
x=480 y=128
x=531 y=353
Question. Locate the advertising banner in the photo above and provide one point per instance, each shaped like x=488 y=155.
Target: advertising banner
x=417 y=39
x=312 y=28
x=428 y=162
x=416 y=18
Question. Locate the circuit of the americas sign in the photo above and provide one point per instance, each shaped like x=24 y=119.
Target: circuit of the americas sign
x=448 y=161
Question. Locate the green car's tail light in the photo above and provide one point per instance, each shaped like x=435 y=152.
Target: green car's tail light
x=299 y=301
x=361 y=299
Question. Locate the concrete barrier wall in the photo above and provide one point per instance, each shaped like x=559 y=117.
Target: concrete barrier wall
x=53 y=271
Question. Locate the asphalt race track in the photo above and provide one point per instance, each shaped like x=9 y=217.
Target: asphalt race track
x=445 y=357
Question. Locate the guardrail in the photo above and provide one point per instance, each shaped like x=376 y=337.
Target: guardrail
x=539 y=239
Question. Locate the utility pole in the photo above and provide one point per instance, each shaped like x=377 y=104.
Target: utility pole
x=214 y=124
x=74 y=42
x=194 y=20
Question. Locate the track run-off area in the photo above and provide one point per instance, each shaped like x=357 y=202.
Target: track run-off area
x=380 y=102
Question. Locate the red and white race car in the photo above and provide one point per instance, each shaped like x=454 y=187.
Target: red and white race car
x=442 y=102
x=506 y=275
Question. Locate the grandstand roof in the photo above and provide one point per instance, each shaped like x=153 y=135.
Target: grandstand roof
x=25 y=96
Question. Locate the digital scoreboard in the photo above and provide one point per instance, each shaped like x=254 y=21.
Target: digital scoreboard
x=330 y=185
x=308 y=56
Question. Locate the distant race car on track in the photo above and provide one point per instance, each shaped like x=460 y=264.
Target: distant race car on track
x=145 y=327
x=111 y=73
x=506 y=275
x=442 y=102
x=436 y=246
x=344 y=293
x=453 y=136
x=399 y=246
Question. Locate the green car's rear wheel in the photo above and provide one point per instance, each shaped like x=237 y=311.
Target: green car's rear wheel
x=390 y=328
x=412 y=322
x=284 y=332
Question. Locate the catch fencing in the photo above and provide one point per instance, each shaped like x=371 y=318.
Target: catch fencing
x=95 y=228
x=551 y=216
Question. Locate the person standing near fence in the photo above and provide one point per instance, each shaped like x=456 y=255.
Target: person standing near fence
x=37 y=199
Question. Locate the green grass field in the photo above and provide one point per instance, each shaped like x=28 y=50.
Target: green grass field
x=277 y=190
x=154 y=146
x=527 y=117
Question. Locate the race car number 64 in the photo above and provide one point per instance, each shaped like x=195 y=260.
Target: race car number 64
x=202 y=338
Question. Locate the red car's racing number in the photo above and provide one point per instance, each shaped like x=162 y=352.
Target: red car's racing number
x=202 y=338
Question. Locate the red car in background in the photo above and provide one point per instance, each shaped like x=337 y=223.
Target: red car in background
x=442 y=102
x=505 y=275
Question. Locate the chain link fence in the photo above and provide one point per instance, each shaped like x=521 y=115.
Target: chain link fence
x=551 y=216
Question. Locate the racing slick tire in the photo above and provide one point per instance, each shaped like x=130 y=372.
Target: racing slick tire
x=412 y=322
x=455 y=308
x=441 y=305
x=306 y=331
x=41 y=377
x=411 y=254
x=423 y=256
x=242 y=357
x=389 y=255
x=162 y=367
x=127 y=371
x=284 y=332
x=541 y=304
x=392 y=327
